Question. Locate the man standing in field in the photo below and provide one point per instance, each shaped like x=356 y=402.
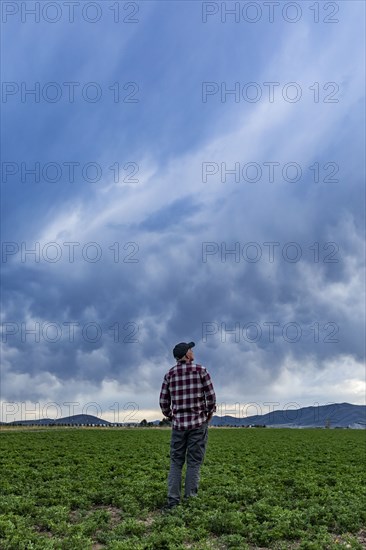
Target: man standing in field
x=188 y=399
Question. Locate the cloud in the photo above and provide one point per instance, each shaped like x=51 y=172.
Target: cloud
x=106 y=327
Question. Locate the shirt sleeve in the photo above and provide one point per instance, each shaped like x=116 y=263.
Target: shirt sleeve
x=165 y=399
x=209 y=392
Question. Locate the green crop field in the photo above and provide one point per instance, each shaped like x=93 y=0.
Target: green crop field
x=82 y=489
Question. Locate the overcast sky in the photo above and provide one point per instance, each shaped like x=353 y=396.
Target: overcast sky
x=175 y=172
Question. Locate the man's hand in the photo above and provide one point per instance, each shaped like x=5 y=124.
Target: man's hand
x=209 y=418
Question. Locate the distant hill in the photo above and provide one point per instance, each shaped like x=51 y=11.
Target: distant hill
x=41 y=422
x=336 y=415
x=82 y=419
x=85 y=419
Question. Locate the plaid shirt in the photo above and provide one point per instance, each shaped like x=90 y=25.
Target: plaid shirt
x=187 y=396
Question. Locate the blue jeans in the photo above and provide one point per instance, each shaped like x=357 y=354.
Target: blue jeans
x=185 y=445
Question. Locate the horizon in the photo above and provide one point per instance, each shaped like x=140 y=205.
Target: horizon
x=223 y=414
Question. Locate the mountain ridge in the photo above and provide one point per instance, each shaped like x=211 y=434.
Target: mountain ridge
x=334 y=415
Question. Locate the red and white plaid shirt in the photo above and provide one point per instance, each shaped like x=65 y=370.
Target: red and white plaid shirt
x=187 y=396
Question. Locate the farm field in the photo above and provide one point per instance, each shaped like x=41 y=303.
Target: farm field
x=89 y=489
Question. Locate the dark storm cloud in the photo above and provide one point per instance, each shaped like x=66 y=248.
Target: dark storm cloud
x=177 y=289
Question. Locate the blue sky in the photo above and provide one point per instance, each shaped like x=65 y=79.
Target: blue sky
x=297 y=315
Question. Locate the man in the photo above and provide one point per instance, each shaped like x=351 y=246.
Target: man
x=188 y=399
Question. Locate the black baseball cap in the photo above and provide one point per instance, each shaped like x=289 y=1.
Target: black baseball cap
x=181 y=349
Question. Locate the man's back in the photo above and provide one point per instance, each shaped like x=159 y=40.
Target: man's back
x=187 y=395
